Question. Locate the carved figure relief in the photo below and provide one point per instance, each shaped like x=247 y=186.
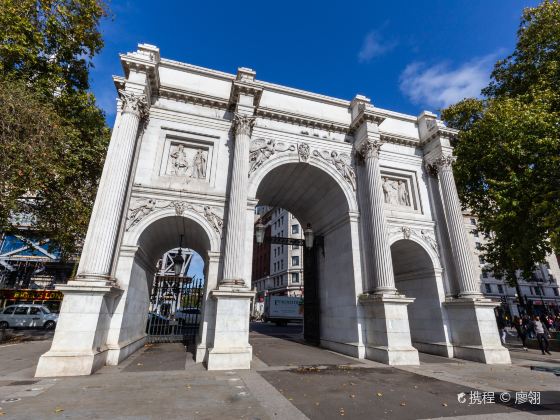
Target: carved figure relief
x=395 y=192
x=142 y=207
x=303 y=152
x=261 y=150
x=188 y=162
x=341 y=162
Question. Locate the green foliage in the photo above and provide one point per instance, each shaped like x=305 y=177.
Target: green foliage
x=508 y=166
x=53 y=136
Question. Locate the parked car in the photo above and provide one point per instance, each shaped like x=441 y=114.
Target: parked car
x=28 y=315
x=157 y=324
x=188 y=316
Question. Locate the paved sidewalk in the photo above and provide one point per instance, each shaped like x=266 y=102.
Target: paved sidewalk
x=289 y=380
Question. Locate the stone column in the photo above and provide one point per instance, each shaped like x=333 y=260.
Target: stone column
x=469 y=285
x=376 y=223
x=103 y=230
x=236 y=216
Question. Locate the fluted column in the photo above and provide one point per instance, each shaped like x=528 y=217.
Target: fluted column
x=375 y=221
x=103 y=229
x=237 y=214
x=469 y=284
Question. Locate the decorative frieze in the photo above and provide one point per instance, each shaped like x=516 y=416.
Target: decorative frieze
x=141 y=207
x=261 y=150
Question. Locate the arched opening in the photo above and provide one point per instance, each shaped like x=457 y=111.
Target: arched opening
x=154 y=302
x=416 y=278
x=312 y=195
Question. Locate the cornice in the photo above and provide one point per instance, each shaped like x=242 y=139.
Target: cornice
x=180 y=95
x=399 y=139
x=301 y=120
x=366 y=115
x=243 y=87
x=441 y=132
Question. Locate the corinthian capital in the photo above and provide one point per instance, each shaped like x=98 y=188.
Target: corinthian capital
x=134 y=103
x=243 y=124
x=445 y=162
x=369 y=149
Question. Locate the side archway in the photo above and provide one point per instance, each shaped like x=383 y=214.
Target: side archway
x=418 y=278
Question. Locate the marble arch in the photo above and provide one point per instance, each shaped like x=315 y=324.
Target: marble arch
x=199 y=143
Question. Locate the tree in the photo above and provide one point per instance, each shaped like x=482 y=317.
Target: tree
x=508 y=152
x=53 y=138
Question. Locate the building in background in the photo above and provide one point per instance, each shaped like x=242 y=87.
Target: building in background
x=277 y=269
x=540 y=292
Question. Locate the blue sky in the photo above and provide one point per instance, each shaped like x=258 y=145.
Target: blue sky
x=405 y=56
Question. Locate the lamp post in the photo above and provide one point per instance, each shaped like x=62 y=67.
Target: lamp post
x=178 y=259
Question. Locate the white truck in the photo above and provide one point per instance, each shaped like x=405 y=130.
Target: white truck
x=283 y=309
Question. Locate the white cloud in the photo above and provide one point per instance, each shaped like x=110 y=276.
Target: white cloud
x=374 y=46
x=441 y=86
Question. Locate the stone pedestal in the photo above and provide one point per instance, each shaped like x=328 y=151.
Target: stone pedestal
x=474 y=332
x=78 y=346
x=231 y=348
x=387 y=330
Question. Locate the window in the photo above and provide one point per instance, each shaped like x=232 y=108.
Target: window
x=478 y=245
x=500 y=289
x=481 y=259
x=295 y=260
x=295 y=278
x=484 y=275
x=281 y=264
x=274 y=252
x=295 y=228
x=488 y=288
x=21 y=310
x=34 y=310
x=473 y=222
x=9 y=310
x=532 y=290
x=295 y=246
x=555 y=290
x=475 y=233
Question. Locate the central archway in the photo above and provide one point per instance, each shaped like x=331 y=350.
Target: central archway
x=315 y=193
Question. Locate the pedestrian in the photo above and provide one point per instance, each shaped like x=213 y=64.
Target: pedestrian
x=502 y=329
x=521 y=331
x=542 y=334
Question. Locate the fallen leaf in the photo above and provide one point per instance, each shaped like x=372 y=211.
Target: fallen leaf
x=139 y=364
x=444 y=404
x=58 y=410
x=352 y=396
x=403 y=403
x=317 y=403
x=415 y=386
x=380 y=394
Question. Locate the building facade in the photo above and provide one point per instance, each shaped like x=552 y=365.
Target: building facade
x=540 y=293
x=285 y=266
x=195 y=150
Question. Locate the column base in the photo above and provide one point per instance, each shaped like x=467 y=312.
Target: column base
x=231 y=349
x=54 y=363
x=231 y=358
x=474 y=333
x=79 y=342
x=387 y=329
x=118 y=353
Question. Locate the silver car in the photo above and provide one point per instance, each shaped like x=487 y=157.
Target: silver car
x=28 y=315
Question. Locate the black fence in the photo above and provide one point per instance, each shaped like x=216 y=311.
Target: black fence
x=175 y=310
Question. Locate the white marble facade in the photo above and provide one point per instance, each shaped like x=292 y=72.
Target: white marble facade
x=193 y=152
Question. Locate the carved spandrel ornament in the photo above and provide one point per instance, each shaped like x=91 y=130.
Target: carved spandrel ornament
x=187 y=162
x=396 y=192
x=341 y=162
x=144 y=206
x=262 y=149
x=422 y=235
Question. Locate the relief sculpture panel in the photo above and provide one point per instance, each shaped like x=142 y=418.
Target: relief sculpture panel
x=187 y=161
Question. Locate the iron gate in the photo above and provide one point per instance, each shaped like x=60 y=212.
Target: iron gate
x=175 y=309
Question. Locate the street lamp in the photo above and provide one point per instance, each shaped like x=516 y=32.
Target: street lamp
x=178 y=259
x=259 y=232
x=309 y=236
